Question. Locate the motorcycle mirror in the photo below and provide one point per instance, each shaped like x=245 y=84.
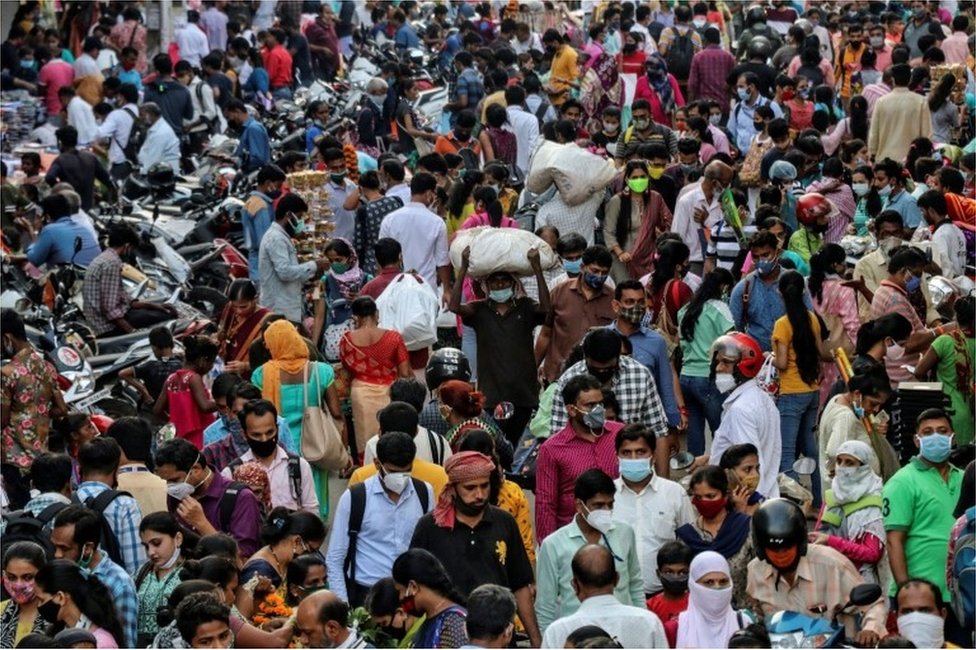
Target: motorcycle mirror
x=681 y=461
x=865 y=594
x=805 y=466
x=22 y=306
x=504 y=411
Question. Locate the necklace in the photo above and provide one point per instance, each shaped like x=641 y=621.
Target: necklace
x=280 y=567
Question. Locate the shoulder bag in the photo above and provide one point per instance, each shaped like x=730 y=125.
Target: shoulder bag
x=322 y=444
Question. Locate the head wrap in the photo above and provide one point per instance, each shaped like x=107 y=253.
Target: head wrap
x=709 y=620
x=254 y=476
x=852 y=484
x=461 y=467
x=288 y=353
x=351 y=281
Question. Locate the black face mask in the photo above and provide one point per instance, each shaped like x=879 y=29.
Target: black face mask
x=49 y=611
x=674 y=585
x=469 y=510
x=263 y=448
x=603 y=375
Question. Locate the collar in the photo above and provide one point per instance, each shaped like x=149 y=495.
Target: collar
x=922 y=466
x=889 y=283
x=640 y=331
x=740 y=390
x=602 y=600
x=654 y=485
x=350 y=641
x=804 y=571
x=576 y=532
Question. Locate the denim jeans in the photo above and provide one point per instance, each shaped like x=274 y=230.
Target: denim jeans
x=797 y=420
x=704 y=404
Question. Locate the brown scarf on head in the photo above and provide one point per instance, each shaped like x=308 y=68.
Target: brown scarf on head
x=461 y=467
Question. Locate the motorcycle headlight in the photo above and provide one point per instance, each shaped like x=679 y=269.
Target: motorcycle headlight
x=82 y=381
x=815 y=641
x=786 y=641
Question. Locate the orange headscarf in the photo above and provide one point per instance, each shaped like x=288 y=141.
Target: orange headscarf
x=461 y=467
x=288 y=353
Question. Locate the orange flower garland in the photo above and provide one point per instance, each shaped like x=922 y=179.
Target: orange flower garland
x=352 y=162
x=273 y=606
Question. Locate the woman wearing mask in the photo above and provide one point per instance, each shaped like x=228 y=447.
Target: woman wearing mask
x=18 y=614
x=798 y=351
x=408 y=123
x=836 y=302
x=239 y=325
x=698 y=130
x=73 y=430
x=633 y=218
x=660 y=88
x=839 y=193
x=370 y=126
x=161 y=536
x=68 y=598
x=709 y=621
x=631 y=59
x=667 y=291
x=718 y=527
x=875 y=337
x=267 y=570
x=425 y=589
x=851 y=521
x=340 y=286
x=383 y=605
x=306 y=574
x=761 y=143
x=800 y=106
x=217 y=569
x=853 y=154
x=317 y=114
x=705 y=318
x=868 y=202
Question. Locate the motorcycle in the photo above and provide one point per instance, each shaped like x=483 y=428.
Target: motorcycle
x=800 y=630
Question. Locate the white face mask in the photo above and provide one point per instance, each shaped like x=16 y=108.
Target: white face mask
x=861 y=188
x=599 y=519
x=179 y=491
x=923 y=629
x=396 y=482
x=172 y=560
x=724 y=382
x=895 y=352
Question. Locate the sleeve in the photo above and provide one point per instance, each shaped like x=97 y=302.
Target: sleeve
x=898 y=503
x=560 y=414
x=441 y=256
x=547 y=586
x=101 y=173
x=636 y=587
x=782 y=332
x=524 y=520
x=285 y=269
x=310 y=500
x=127 y=531
x=54 y=173
x=247 y=523
x=338 y=547
x=867 y=548
x=188 y=107
x=38 y=252
x=652 y=410
x=610 y=215
x=546 y=493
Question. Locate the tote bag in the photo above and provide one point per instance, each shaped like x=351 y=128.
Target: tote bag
x=322 y=444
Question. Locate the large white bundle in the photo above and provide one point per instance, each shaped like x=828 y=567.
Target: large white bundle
x=500 y=249
x=410 y=306
x=577 y=173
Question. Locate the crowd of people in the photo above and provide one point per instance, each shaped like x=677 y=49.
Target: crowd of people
x=696 y=406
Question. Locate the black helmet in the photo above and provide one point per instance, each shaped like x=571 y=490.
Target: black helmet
x=759 y=46
x=779 y=523
x=445 y=364
x=161 y=177
x=755 y=15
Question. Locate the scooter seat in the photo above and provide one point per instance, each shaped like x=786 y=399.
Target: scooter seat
x=120 y=343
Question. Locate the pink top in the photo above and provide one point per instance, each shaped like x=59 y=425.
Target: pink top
x=645 y=91
x=102 y=638
x=54 y=75
x=824 y=65
x=841 y=301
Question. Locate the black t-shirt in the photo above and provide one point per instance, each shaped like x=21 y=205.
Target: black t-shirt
x=154 y=373
x=506 y=355
x=302 y=58
x=174 y=102
x=668 y=189
x=490 y=553
x=222 y=82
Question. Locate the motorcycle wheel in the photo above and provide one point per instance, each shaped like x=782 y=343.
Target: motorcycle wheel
x=208 y=300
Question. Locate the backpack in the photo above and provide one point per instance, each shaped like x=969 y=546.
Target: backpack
x=471 y=158
x=22 y=526
x=227 y=504
x=680 y=53
x=137 y=136
x=109 y=542
x=294 y=474
x=211 y=122
x=357 y=509
x=962 y=577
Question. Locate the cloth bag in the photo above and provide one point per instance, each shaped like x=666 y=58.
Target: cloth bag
x=500 y=249
x=410 y=306
x=322 y=444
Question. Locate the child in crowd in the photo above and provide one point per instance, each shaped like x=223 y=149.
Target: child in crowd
x=184 y=395
x=149 y=376
x=673 y=561
x=607 y=138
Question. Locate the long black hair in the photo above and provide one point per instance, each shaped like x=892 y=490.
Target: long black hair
x=461 y=191
x=670 y=254
x=940 y=94
x=859 y=118
x=821 y=263
x=493 y=206
x=893 y=326
x=804 y=340
x=623 y=219
x=90 y=596
x=423 y=567
x=710 y=289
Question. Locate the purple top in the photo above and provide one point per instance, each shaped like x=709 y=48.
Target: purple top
x=245 y=523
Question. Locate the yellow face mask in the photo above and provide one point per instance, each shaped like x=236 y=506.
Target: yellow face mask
x=655 y=172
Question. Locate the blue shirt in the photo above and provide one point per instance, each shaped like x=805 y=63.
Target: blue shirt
x=254 y=142
x=406 y=38
x=257 y=81
x=123 y=590
x=131 y=77
x=765 y=308
x=651 y=351
x=905 y=204
x=256 y=218
x=311 y=134
x=218 y=431
x=56 y=244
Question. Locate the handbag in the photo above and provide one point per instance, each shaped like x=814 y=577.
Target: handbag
x=768 y=376
x=322 y=444
x=837 y=337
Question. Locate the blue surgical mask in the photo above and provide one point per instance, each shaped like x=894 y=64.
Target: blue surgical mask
x=573 y=267
x=743 y=93
x=935 y=447
x=299 y=226
x=27 y=63
x=501 y=295
x=858 y=410
x=635 y=469
x=594 y=280
x=804 y=93
x=913 y=283
x=765 y=267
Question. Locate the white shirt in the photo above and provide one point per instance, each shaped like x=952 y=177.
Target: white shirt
x=423 y=441
x=423 y=236
x=534 y=43
x=282 y=491
x=85 y=66
x=526 y=129
x=116 y=128
x=949 y=250
x=193 y=44
x=749 y=415
x=684 y=220
x=81 y=116
x=106 y=60
x=161 y=145
x=82 y=219
x=205 y=109
x=401 y=191
x=632 y=627
x=654 y=513
x=650 y=46
x=580 y=218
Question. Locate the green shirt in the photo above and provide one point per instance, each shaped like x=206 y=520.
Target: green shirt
x=918 y=502
x=952 y=354
x=555 y=597
x=714 y=321
x=805 y=243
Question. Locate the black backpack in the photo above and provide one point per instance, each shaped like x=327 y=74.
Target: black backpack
x=813 y=74
x=23 y=526
x=227 y=504
x=294 y=475
x=680 y=54
x=109 y=543
x=137 y=136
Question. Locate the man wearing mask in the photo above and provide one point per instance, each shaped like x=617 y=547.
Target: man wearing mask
x=321 y=622
x=116 y=129
x=921 y=614
x=205 y=501
x=343 y=194
x=699 y=208
x=478 y=542
x=161 y=145
x=289 y=475
x=642 y=130
x=918 y=26
x=592 y=523
x=783 y=556
x=687 y=170
x=469 y=88
x=876 y=39
x=224 y=440
x=281 y=275
x=918 y=507
x=849 y=61
x=749 y=413
x=460 y=140
x=254 y=147
x=576 y=306
x=748 y=99
x=257 y=213
x=889 y=181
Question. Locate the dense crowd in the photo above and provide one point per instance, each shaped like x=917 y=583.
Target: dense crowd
x=702 y=275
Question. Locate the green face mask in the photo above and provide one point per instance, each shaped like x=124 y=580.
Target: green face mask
x=638 y=185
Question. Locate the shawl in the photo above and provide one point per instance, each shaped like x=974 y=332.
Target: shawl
x=351 y=281
x=461 y=467
x=253 y=475
x=288 y=353
x=655 y=220
x=657 y=77
x=860 y=483
x=730 y=538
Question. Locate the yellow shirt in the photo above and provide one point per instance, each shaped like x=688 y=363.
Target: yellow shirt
x=497 y=97
x=148 y=489
x=563 y=72
x=790 y=381
x=512 y=500
x=433 y=474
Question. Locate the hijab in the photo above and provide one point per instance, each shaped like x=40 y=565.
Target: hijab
x=351 y=280
x=253 y=475
x=657 y=76
x=709 y=621
x=851 y=484
x=288 y=353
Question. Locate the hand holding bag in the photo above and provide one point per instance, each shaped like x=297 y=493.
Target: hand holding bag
x=322 y=444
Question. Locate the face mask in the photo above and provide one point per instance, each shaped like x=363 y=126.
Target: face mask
x=128 y=66
x=765 y=267
x=599 y=519
x=396 y=482
x=377 y=101
x=788 y=94
x=638 y=185
x=751 y=482
x=759 y=26
x=467 y=509
x=935 y=447
x=633 y=315
x=743 y=94
x=709 y=509
x=171 y=562
x=782 y=558
x=273 y=194
x=594 y=280
x=409 y=606
x=635 y=469
x=298 y=227
x=819 y=228
x=501 y=295
x=656 y=172
x=715 y=120
x=603 y=375
x=858 y=410
x=595 y=419
x=610 y=127
x=687 y=170
x=462 y=136
x=699 y=22
x=890 y=244
x=913 y=283
x=27 y=64
x=861 y=188
x=49 y=611
x=674 y=585
x=804 y=93
x=263 y=448
x=340 y=267
x=877 y=42
x=337 y=177
x=885 y=191
x=573 y=267
x=22 y=592
x=641 y=124
x=724 y=382
x=630 y=48
x=179 y=491
x=923 y=629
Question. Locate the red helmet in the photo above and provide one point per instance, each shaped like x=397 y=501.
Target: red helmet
x=810 y=207
x=744 y=349
x=102 y=422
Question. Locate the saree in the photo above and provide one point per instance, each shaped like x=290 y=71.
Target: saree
x=237 y=334
x=601 y=88
x=655 y=220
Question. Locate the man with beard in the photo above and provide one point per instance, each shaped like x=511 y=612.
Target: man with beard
x=477 y=542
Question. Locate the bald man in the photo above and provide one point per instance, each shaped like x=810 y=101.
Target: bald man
x=699 y=208
x=594 y=579
x=322 y=620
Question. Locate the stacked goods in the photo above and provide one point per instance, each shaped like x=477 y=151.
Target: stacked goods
x=312 y=187
x=19 y=113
